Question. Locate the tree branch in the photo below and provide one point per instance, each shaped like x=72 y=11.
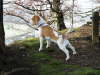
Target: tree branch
x=21 y=17
x=52 y=7
x=25 y=7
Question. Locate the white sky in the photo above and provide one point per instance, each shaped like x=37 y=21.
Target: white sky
x=85 y=5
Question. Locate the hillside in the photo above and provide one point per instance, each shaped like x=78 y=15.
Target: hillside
x=24 y=58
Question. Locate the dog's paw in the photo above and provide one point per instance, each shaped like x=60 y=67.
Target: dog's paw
x=74 y=53
x=47 y=46
x=67 y=58
x=40 y=49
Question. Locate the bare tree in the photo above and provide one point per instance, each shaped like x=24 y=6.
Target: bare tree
x=34 y=7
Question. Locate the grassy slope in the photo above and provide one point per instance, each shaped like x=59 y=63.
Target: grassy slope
x=49 y=65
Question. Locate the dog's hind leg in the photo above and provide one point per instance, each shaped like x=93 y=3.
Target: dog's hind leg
x=72 y=48
x=63 y=48
x=41 y=43
x=48 y=43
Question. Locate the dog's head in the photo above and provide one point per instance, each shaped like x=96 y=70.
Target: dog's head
x=35 y=20
x=38 y=21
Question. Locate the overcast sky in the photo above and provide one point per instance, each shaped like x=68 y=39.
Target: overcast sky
x=85 y=4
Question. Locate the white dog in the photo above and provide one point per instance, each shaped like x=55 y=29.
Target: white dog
x=46 y=32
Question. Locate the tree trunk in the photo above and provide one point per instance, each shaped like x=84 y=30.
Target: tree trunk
x=60 y=21
x=59 y=13
x=95 y=30
x=2 y=39
x=2 y=34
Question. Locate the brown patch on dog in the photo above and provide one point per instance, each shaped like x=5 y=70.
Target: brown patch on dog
x=35 y=19
x=47 y=31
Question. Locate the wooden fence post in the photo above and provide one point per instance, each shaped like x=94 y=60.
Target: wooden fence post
x=95 y=28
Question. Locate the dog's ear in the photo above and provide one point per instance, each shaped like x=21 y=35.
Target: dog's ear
x=35 y=19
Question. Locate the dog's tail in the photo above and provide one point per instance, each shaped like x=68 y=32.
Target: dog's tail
x=68 y=34
x=67 y=31
x=70 y=30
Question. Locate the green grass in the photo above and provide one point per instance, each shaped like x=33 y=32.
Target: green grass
x=85 y=71
x=49 y=65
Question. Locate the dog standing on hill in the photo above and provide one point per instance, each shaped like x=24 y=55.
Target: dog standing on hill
x=46 y=32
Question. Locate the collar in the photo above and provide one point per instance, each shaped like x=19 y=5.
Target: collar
x=42 y=22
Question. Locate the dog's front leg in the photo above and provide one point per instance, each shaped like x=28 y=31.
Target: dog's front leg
x=41 y=43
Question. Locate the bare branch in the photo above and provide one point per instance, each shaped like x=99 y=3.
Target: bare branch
x=9 y=2
x=32 y=9
x=26 y=17
x=86 y=11
x=52 y=7
x=25 y=7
